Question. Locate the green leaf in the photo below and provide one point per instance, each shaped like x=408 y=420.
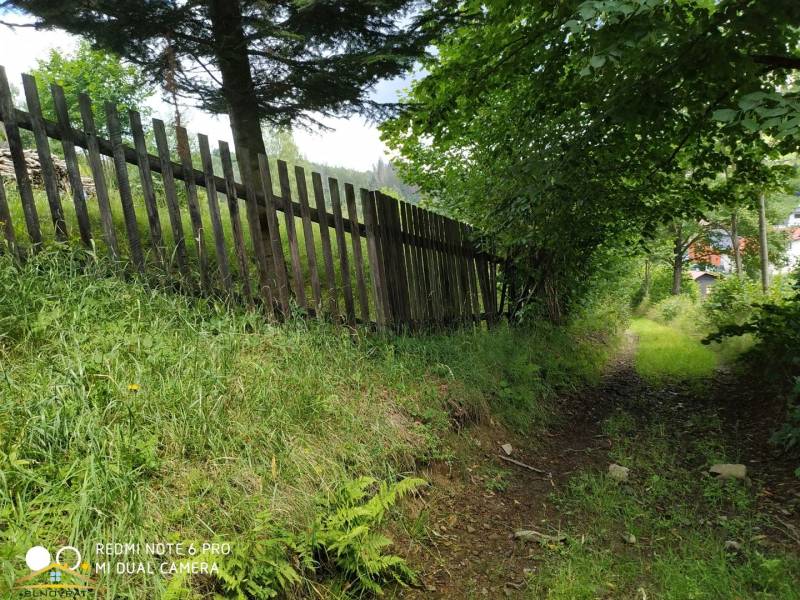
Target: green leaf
x=725 y=115
x=597 y=61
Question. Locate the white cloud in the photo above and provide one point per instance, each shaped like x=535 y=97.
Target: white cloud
x=351 y=142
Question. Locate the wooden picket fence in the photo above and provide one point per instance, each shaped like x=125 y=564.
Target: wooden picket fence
x=421 y=269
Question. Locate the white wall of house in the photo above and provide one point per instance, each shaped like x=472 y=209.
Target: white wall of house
x=794 y=218
x=794 y=254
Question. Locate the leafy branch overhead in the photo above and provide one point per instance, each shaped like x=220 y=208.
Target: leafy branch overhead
x=569 y=129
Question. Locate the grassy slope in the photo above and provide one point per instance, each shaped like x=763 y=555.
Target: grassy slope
x=232 y=417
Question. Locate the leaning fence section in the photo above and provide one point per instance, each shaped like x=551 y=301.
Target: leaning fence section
x=280 y=241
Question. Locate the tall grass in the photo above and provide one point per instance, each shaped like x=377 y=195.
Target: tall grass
x=132 y=415
x=665 y=353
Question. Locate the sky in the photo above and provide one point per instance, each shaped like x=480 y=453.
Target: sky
x=352 y=142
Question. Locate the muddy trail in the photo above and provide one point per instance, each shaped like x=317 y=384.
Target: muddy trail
x=471 y=513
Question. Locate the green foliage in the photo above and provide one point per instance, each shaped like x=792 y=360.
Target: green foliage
x=100 y=75
x=342 y=542
x=730 y=301
x=568 y=131
x=776 y=356
x=661 y=285
x=788 y=436
x=774 y=325
x=344 y=537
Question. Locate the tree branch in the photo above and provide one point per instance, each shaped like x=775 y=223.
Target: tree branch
x=777 y=62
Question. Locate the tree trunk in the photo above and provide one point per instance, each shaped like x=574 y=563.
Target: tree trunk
x=239 y=92
x=677 y=261
x=237 y=87
x=737 y=251
x=762 y=235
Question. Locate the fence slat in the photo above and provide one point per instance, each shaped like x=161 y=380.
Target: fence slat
x=473 y=286
x=325 y=239
x=171 y=198
x=236 y=221
x=427 y=265
x=124 y=186
x=341 y=245
x=358 y=260
x=411 y=270
x=308 y=236
x=416 y=260
x=279 y=262
x=96 y=166
x=195 y=217
x=5 y=221
x=146 y=179
x=18 y=157
x=213 y=210
x=369 y=209
x=265 y=279
x=71 y=160
x=291 y=235
x=49 y=179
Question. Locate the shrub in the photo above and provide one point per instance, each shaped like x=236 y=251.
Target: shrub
x=661 y=285
x=730 y=301
x=342 y=542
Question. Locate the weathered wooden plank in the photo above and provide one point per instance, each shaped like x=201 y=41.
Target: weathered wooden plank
x=358 y=261
x=325 y=240
x=71 y=160
x=308 y=235
x=124 y=186
x=236 y=221
x=171 y=197
x=194 y=206
x=466 y=238
x=462 y=295
x=265 y=279
x=385 y=258
x=447 y=269
x=341 y=245
x=369 y=209
x=6 y=224
x=412 y=272
x=45 y=158
x=96 y=166
x=18 y=157
x=148 y=191
x=216 y=221
x=420 y=283
x=291 y=235
x=419 y=273
x=428 y=266
x=279 y=262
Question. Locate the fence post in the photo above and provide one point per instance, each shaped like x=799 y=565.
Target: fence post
x=45 y=158
x=18 y=157
x=377 y=272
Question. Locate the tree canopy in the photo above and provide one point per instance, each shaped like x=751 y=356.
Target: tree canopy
x=569 y=128
x=257 y=61
x=94 y=72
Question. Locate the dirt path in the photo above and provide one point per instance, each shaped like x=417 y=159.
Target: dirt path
x=468 y=549
x=476 y=507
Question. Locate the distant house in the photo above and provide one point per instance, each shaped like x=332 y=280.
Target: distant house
x=793 y=253
x=794 y=218
x=705 y=280
x=792 y=229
